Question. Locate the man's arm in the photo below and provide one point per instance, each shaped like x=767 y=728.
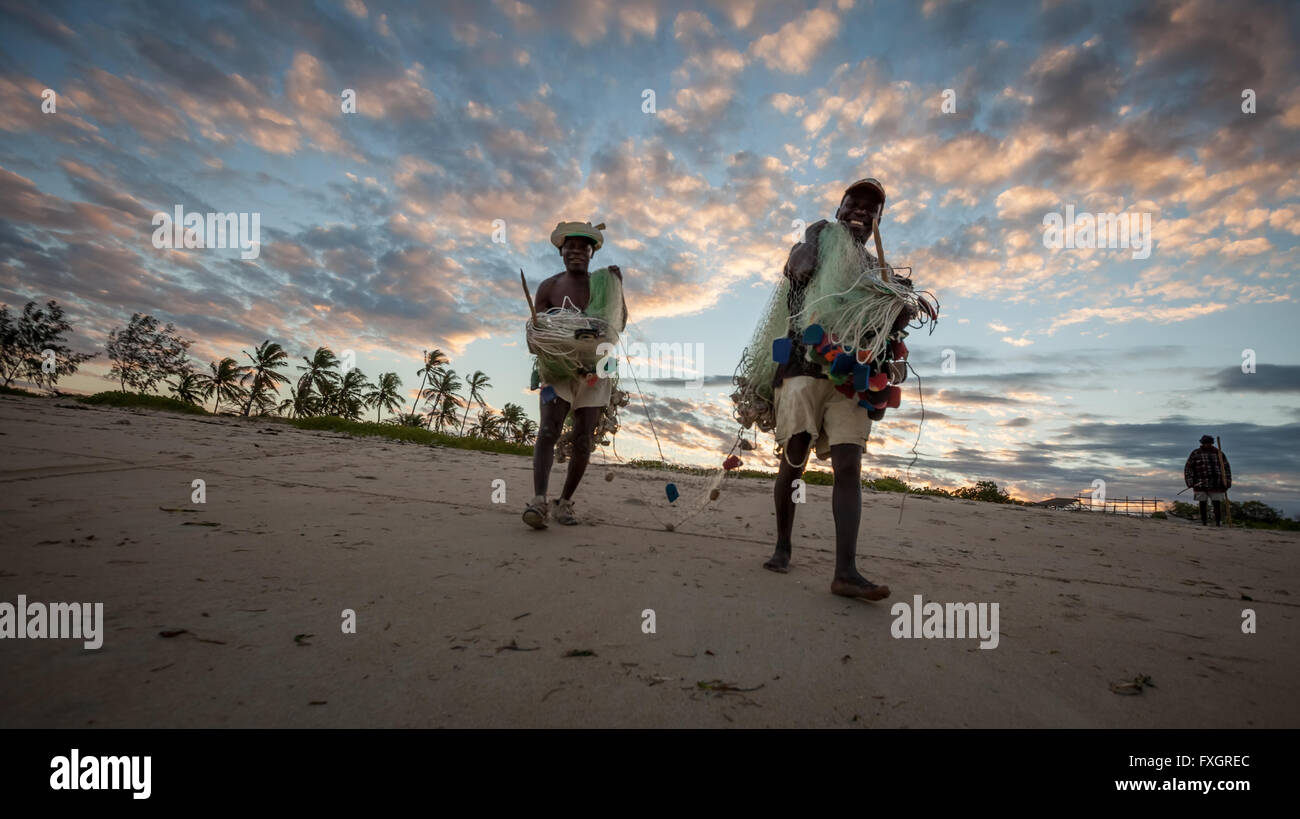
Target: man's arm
x=619 y=273
x=542 y=298
x=802 y=262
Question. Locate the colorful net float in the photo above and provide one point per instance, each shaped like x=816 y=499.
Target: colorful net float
x=850 y=319
x=854 y=371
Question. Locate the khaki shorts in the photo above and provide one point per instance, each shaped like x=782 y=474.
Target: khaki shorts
x=580 y=394
x=1205 y=496
x=812 y=405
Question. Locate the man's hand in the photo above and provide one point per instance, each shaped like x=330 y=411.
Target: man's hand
x=614 y=269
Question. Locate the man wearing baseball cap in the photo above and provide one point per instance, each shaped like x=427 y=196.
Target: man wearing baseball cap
x=810 y=411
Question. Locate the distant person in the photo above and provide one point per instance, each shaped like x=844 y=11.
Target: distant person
x=1208 y=474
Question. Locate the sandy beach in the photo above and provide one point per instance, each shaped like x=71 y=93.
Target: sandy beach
x=465 y=616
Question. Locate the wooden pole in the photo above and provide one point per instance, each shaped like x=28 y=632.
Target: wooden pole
x=1223 y=470
x=529 y=296
x=880 y=249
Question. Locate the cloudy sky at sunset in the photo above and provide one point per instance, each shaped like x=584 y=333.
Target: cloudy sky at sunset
x=1071 y=365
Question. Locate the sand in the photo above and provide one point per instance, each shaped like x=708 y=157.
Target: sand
x=465 y=616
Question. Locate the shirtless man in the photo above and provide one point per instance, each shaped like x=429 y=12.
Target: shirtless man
x=585 y=398
x=806 y=401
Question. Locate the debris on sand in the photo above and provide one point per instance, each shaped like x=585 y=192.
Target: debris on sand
x=720 y=687
x=1135 y=686
x=513 y=646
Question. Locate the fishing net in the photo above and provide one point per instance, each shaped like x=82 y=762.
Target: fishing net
x=850 y=299
x=567 y=341
x=849 y=321
x=753 y=378
x=570 y=343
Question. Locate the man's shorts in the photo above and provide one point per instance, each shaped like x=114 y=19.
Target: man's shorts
x=812 y=405
x=584 y=391
x=1205 y=496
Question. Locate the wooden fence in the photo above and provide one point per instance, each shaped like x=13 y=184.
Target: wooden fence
x=1135 y=507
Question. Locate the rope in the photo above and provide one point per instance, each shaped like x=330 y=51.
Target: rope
x=915 y=454
x=641 y=394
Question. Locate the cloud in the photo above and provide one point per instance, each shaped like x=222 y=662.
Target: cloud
x=1266 y=378
x=792 y=48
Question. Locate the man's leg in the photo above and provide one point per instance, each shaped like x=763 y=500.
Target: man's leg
x=1218 y=513
x=548 y=433
x=796 y=452
x=846 y=503
x=584 y=427
x=1205 y=513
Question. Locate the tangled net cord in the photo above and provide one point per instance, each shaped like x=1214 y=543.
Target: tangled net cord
x=715 y=475
x=555 y=335
x=860 y=318
x=855 y=321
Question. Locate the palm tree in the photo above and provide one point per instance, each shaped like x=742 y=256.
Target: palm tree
x=223 y=382
x=433 y=361
x=478 y=381
x=512 y=415
x=385 y=395
x=446 y=413
x=189 y=387
x=327 y=402
x=445 y=383
x=349 y=399
x=263 y=373
x=318 y=372
x=487 y=425
x=527 y=432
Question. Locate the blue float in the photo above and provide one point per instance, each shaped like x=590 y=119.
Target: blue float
x=781 y=350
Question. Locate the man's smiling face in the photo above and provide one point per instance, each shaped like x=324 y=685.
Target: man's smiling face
x=576 y=252
x=857 y=211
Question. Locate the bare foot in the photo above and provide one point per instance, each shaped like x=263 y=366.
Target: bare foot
x=779 y=561
x=856 y=585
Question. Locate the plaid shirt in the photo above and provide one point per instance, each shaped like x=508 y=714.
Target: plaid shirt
x=1202 y=471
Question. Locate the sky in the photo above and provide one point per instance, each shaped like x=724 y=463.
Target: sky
x=703 y=134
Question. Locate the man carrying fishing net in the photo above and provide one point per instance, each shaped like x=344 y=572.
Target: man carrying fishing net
x=575 y=313
x=825 y=362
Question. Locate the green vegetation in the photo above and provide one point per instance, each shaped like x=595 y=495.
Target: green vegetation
x=117 y=398
x=1251 y=514
x=986 y=491
x=981 y=491
x=18 y=391
x=32 y=346
x=400 y=432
